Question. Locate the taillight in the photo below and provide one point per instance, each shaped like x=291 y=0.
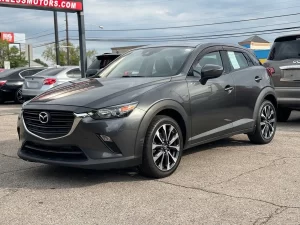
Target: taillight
x=2 y=82
x=270 y=71
x=49 y=81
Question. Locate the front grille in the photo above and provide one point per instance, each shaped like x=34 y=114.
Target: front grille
x=57 y=153
x=58 y=124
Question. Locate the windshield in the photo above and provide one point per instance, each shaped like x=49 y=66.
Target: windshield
x=149 y=62
x=49 y=72
x=285 y=49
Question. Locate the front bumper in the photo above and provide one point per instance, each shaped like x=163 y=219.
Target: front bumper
x=85 y=136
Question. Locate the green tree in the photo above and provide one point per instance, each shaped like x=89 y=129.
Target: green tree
x=74 y=53
x=4 y=52
x=16 y=58
x=11 y=54
x=41 y=62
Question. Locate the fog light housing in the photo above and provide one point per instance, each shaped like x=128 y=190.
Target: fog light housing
x=108 y=142
x=105 y=138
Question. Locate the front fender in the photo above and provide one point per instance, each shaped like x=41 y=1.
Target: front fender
x=151 y=113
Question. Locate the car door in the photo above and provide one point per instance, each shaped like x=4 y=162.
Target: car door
x=212 y=104
x=247 y=83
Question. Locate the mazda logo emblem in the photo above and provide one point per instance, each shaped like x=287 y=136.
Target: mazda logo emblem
x=44 y=117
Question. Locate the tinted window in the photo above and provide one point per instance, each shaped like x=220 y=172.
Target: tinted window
x=102 y=61
x=75 y=73
x=237 y=60
x=50 y=72
x=250 y=62
x=211 y=58
x=285 y=48
x=149 y=62
x=95 y=65
x=24 y=73
x=34 y=71
x=7 y=73
x=254 y=60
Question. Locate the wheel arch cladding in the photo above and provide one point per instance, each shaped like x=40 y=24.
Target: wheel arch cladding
x=267 y=93
x=169 y=108
x=272 y=99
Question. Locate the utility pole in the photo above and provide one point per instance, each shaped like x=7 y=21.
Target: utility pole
x=56 y=37
x=28 y=51
x=67 y=38
x=82 y=44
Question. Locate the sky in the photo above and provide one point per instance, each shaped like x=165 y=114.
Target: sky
x=127 y=15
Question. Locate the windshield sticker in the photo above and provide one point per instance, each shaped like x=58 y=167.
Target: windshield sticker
x=233 y=60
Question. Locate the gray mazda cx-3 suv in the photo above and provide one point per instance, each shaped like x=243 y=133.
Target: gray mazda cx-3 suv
x=284 y=64
x=148 y=106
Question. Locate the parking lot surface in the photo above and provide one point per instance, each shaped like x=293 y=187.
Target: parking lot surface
x=226 y=182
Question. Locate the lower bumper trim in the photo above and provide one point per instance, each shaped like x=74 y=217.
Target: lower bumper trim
x=101 y=164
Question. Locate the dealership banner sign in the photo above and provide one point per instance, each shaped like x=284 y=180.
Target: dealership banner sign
x=7 y=36
x=59 y=5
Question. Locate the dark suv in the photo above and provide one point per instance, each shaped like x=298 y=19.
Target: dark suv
x=148 y=106
x=284 y=64
x=100 y=62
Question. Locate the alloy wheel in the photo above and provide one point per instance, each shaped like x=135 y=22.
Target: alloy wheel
x=20 y=96
x=166 y=147
x=268 y=121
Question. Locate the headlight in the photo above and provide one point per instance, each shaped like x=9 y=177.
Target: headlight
x=113 y=112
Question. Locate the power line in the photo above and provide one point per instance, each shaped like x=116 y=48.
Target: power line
x=209 y=32
x=207 y=18
x=37 y=37
x=199 y=25
x=197 y=38
x=45 y=44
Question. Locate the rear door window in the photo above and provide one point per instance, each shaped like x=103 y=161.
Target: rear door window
x=237 y=60
x=285 y=48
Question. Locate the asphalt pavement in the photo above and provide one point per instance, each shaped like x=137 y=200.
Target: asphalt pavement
x=226 y=182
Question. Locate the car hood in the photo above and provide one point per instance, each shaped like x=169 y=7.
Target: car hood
x=97 y=93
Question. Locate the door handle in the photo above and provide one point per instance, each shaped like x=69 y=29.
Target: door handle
x=229 y=89
x=257 y=79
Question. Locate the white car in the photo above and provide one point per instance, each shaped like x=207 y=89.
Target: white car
x=47 y=79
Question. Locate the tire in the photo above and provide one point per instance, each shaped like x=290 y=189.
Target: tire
x=283 y=114
x=19 y=97
x=163 y=166
x=266 y=122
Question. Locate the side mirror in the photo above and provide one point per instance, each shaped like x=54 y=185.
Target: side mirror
x=210 y=71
